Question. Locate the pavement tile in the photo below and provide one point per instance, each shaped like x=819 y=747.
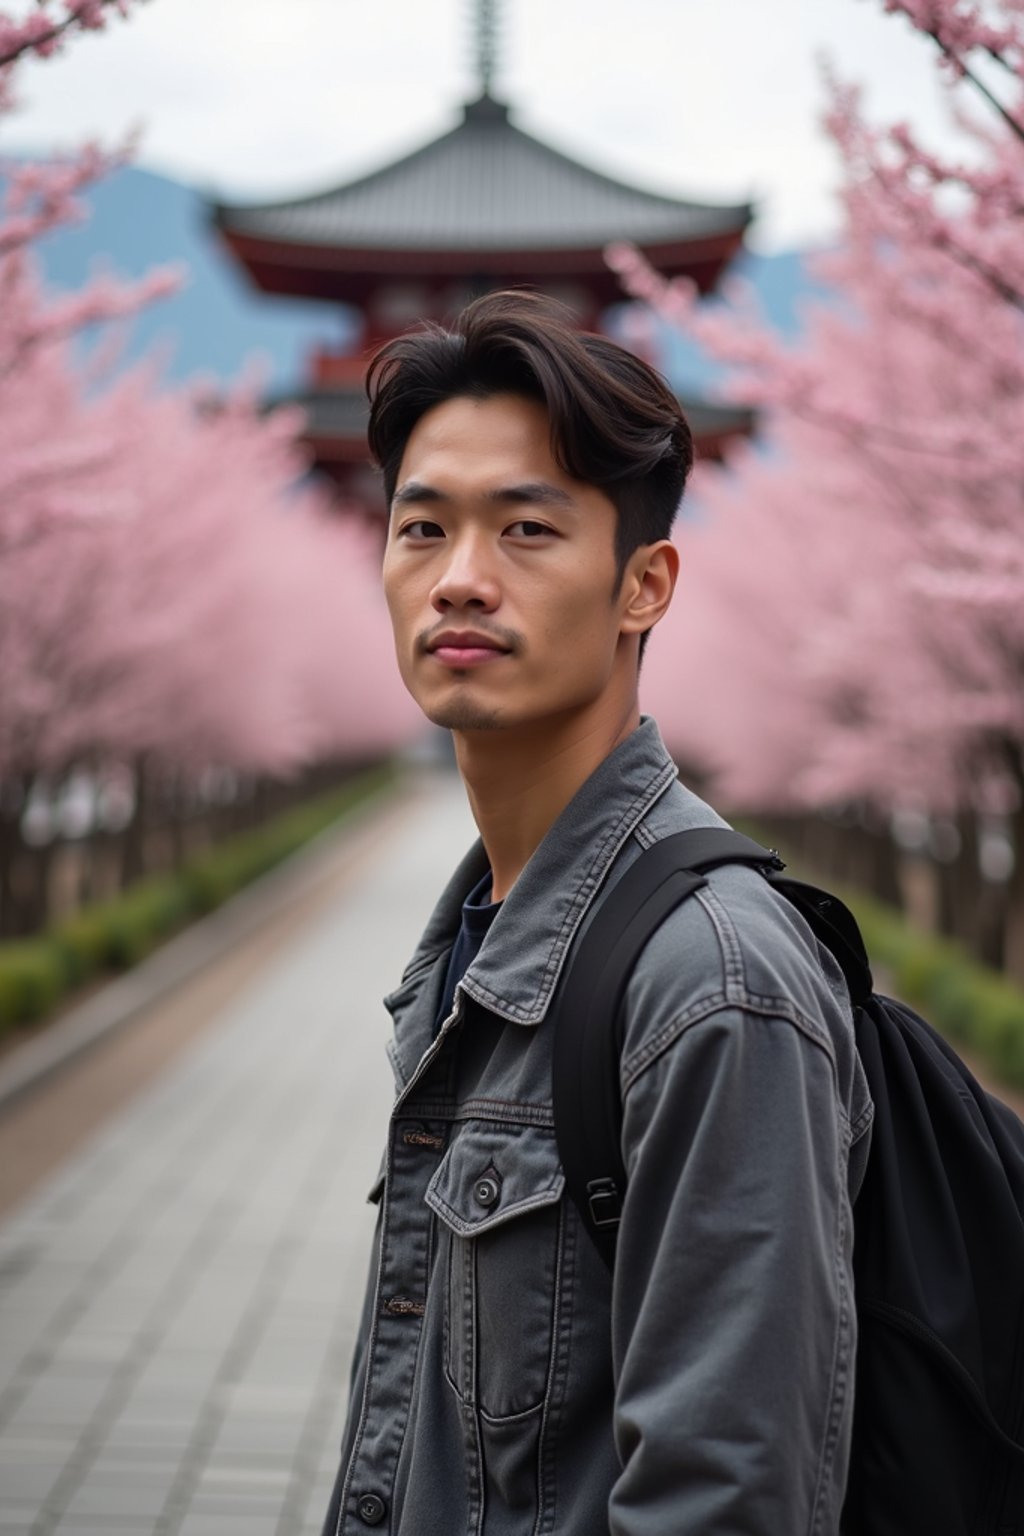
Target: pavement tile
x=175 y=1294
x=29 y=1481
x=240 y=1501
x=91 y=1525
x=20 y=1450
x=229 y=1525
x=219 y=1479
x=140 y=1501
x=118 y=1466
x=17 y=1512
x=128 y=1434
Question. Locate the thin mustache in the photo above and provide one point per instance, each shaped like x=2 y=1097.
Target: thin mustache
x=510 y=639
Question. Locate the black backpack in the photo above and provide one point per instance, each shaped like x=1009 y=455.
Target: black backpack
x=938 y=1434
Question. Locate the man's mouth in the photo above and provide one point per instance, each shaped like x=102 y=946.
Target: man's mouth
x=466 y=648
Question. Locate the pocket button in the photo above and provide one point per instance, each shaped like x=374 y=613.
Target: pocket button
x=486 y=1191
x=371 y=1509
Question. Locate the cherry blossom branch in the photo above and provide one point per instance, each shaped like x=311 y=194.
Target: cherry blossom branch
x=42 y=35
x=787 y=384
x=103 y=300
x=1013 y=123
x=39 y=196
x=1000 y=285
x=958 y=30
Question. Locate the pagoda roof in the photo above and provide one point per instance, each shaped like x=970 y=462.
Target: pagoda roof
x=484 y=188
x=340 y=416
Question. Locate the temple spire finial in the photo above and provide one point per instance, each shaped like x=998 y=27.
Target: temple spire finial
x=486 y=43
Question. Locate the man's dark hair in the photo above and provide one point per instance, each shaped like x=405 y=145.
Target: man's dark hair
x=615 y=423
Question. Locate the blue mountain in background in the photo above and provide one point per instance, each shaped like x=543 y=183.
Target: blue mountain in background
x=785 y=290
x=217 y=321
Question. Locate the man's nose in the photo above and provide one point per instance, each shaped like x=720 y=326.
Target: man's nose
x=468 y=578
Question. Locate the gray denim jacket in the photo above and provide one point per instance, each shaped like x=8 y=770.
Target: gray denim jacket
x=503 y=1383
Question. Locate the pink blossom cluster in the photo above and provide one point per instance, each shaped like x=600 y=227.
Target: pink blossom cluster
x=45 y=28
x=171 y=581
x=42 y=29
x=850 y=624
x=961 y=28
x=170 y=586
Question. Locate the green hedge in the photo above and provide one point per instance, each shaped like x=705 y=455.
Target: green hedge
x=31 y=980
x=977 y=1008
x=114 y=935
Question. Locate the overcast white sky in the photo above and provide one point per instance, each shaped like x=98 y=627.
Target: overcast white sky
x=711 y=98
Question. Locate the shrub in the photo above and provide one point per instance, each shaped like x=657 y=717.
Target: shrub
x=81 y=942
x=136 y=922
x=976 y=1008
x=31 y=980
x=216 y=874
x=116 y=934
x=973 y=1006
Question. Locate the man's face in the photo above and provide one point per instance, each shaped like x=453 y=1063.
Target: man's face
x=500 y=571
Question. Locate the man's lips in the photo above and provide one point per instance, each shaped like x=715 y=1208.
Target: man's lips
x=466 y=648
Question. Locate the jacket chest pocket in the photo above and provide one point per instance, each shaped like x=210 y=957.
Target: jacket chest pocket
x=498 y=1196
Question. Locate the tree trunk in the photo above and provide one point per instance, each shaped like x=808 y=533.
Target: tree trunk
x=883 y=866
x=946 y=905
x=134 y=836
x=177 y=817
x=37 y=864
x=990 y=939
x=1014 y=940
x=961 y=885
x=12 y=803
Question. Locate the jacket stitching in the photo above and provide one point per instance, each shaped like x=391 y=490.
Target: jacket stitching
x=561 y=1335
x=397 y=1064
x=550 y=1195
x=838 y=1379
x=863 y=1120
x=514 y=1113
x=561 y=1361
x=598 y=868
x=728 y=941
x=773 y=1008
x=371 y=1343
x=511 y=1418
x=644 y=836
x=510 y=1112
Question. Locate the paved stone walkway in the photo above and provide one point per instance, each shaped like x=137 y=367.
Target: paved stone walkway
x=177 y=1304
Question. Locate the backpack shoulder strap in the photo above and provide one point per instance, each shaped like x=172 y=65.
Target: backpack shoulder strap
x=587 y=1008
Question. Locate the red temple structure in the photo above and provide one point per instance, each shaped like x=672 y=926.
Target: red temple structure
x=484 y=206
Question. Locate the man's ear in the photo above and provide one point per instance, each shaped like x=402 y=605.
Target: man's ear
x=648 y=583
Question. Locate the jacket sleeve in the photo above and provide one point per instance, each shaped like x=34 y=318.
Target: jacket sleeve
x=733 y=1327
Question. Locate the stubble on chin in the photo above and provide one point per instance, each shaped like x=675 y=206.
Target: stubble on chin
x=465 y=715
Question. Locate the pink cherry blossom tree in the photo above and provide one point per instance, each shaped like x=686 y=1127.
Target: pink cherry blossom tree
x=177 y=598
x=851 y=626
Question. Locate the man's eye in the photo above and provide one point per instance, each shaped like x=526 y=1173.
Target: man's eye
x=420 y=531
x=526 y=528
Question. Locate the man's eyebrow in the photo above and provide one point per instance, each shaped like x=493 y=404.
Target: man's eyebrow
x=535 y=492
x=414 y=491
x=529 y=493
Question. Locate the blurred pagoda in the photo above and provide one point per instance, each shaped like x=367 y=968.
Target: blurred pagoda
x=484 y=206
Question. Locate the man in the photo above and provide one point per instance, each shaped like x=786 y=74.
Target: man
x=503 y=1382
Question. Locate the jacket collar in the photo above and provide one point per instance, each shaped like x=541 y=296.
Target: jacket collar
x=517 y=969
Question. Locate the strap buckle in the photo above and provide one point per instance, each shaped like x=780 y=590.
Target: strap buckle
x=604 y=1203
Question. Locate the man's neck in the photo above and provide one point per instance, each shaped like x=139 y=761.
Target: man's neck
x=519 y=782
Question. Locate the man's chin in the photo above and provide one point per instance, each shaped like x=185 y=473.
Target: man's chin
x=464 y=715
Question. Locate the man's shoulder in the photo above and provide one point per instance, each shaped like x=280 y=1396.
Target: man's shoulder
x=735 y=944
